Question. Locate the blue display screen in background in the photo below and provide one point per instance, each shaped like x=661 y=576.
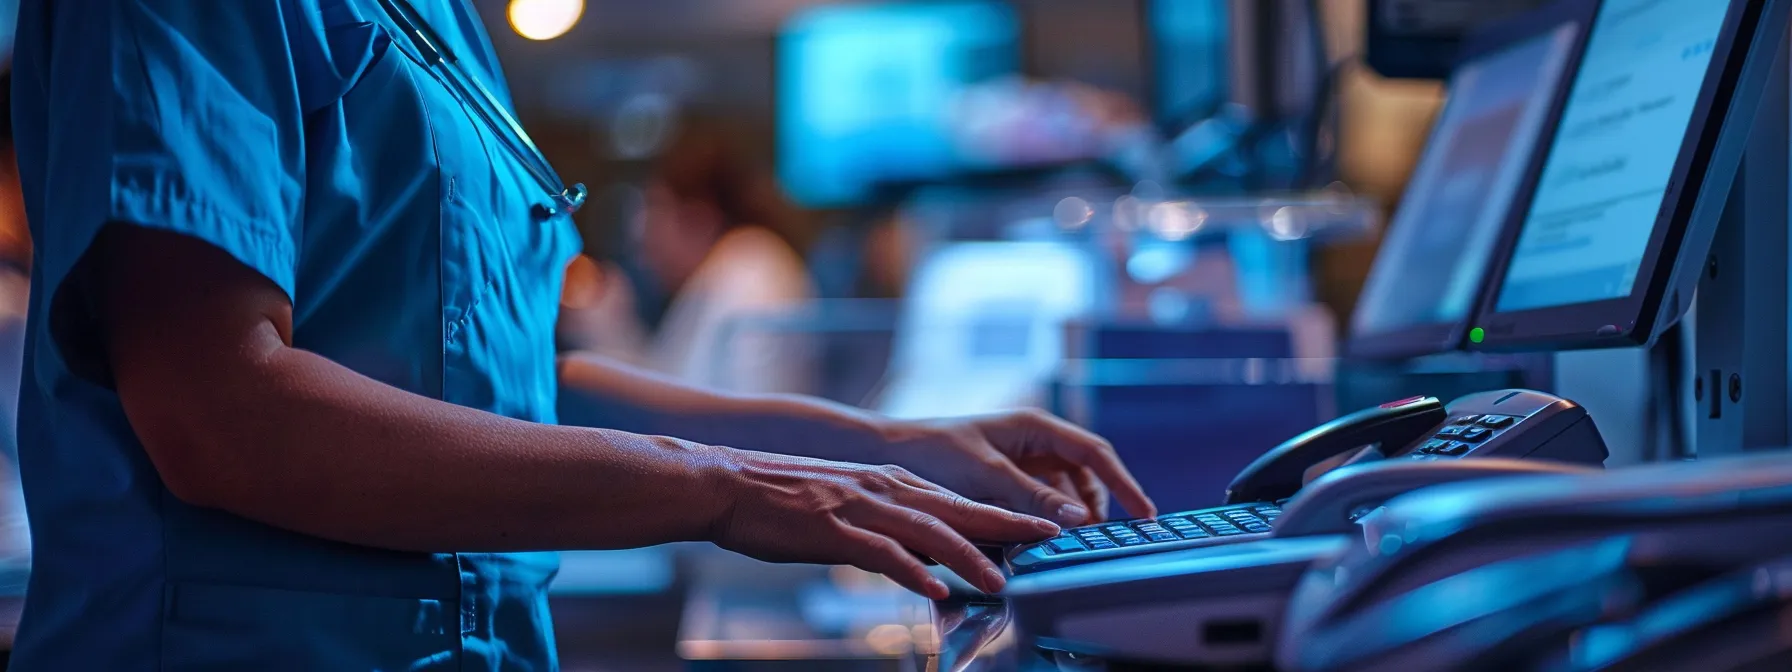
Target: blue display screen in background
x=1461 y=194
x=866 y=92
x=1601 y=191
x=1189 y=58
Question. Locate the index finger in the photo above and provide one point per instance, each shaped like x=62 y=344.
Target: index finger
x=1080 y=447
x=981 y=522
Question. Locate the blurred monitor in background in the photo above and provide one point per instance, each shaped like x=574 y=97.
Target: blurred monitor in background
x=1189 y=59
x=712 y=233
x=1418 y=39
x=867 y=93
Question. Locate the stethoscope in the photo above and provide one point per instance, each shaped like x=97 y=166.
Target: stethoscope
x=436 y=54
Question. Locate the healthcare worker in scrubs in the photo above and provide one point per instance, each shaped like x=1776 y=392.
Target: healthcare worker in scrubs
x=292 y=397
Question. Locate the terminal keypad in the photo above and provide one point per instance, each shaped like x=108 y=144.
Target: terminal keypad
x=1461 y=435
x=1208 y=524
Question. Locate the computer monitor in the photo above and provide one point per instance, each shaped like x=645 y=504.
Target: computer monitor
x=1624 y=209
x=866 y=92
x=1422 y=39
x=1189 y=59
x=1434 y=258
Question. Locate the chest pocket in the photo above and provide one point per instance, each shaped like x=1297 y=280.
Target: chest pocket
x=466 y=206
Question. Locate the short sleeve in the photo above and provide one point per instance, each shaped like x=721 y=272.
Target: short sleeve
x=207 y=127
x=168 y=114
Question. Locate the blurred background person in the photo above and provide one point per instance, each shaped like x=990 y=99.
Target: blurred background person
x=713 y=238
x=15 y=290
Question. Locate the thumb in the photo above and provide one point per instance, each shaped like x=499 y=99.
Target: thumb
x=1028 y=495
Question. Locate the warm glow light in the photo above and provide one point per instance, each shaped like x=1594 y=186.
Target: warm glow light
x=545 y=19
x=889 y=639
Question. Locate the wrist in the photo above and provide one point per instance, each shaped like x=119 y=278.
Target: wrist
x=720 y=478
x=895 y=439
x=827 y=431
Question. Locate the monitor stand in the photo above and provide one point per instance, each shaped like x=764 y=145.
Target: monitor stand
x=1739 y=386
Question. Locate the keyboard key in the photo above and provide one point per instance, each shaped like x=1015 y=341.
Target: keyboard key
x=1117 y=528
x=1163 y=536
x=1103 y=545
x=1178 y=523
x=1451 y=432
x=1457 y=448
x=1194 y=533
x=1130 y=541
x=1432 y=446
x=1257 y=528
x=1497 y=421
x=1067 y=545
x=1466 y=420
x=1227 y=530
x=1476 y=434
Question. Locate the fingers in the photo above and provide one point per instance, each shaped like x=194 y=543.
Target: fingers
x=977 y=521
x=1021 y=492
x=1063 y=482
x=1079 y=483
x=1092 y=490
x=929 y=536
x=1040 y=433
x=982 y=522
x=882 y=555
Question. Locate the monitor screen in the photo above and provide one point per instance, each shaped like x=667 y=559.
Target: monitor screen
x=1190 y=58
x=1602 y=188
x=1442 y=238
x=866 y=92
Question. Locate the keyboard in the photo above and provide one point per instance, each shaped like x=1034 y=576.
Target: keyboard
x=1462 y=434
x=1168 y=532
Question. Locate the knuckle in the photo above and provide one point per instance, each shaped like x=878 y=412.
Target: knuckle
x=877 y=481
x=927 y=524
x=965 y=508
x=895 y=472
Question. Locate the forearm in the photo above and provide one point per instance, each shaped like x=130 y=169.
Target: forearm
x=304 y=444
x=597 y=392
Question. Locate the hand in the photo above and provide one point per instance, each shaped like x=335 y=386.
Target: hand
x=1026 y=461
x=792 y=509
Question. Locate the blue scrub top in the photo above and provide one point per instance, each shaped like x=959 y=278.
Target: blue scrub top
x=302 y=138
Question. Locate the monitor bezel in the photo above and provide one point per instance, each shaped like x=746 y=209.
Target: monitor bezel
x=1685 y=226
x=1443 y=337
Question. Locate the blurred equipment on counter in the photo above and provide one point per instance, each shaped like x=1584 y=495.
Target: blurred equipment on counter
x=1423 y=39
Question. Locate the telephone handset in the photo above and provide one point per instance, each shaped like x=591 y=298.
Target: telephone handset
x=1509 y=423
x=1281 y=472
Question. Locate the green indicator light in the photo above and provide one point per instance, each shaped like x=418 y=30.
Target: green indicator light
x=1477 y=334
